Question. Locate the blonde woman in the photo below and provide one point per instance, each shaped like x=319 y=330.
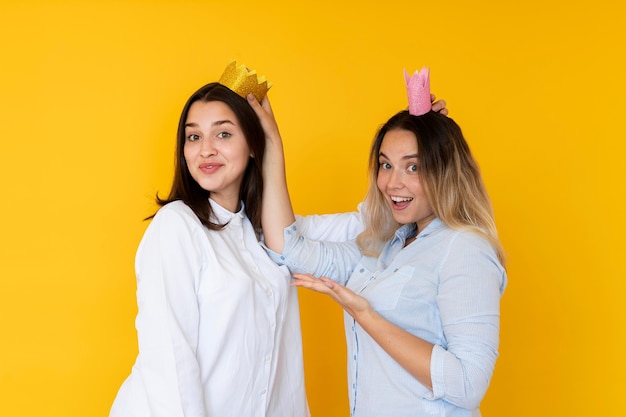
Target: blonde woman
x=421 y=285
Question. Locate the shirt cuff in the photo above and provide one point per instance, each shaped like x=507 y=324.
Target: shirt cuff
x=290 y=233
x=437 y=361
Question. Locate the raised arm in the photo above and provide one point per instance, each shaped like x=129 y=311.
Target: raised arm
x=277 y=212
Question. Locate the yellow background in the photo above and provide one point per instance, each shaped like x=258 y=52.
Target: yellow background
x=90 y=93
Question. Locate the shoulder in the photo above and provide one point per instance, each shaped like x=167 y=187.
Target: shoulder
x=464 y=247
x=465 y=239
x=174 y=208
x=174 y=219
x=176 y=211
x=174 y=229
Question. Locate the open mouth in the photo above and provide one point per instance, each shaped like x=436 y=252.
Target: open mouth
x=400 y=202
x=401 y=199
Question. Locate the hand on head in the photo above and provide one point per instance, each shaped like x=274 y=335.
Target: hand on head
x=439 y=105
x=264 y=111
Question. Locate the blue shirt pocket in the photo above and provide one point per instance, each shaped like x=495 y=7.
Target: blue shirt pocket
x=384 y=291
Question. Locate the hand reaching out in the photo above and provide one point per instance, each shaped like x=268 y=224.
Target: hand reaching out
x=411 y=352
x=351 y=302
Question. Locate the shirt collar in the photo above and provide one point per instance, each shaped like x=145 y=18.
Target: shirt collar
x=408 y=230
x=224 y=216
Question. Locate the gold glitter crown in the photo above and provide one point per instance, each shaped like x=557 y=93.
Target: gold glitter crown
x=244 y=81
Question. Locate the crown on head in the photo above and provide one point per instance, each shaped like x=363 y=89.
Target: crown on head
x=418 y=91
x=244 y=81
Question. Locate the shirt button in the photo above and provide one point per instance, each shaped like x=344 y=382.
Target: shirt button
x=269 y=293
x=361 y=270
x=263 y=392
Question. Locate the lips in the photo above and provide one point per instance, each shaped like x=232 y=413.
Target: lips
x=209 y=167
x=400 y=203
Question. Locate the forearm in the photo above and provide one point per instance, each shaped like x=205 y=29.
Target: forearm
x=409 y=351
x=340 y=227
x=277 y=212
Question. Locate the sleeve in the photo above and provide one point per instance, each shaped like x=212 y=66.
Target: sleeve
x=339 y=227
x=335 y=260
x=471 y=284
x=167 y=267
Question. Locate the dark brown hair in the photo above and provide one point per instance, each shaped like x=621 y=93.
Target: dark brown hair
x=185 y=188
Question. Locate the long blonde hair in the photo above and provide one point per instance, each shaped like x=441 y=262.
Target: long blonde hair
x=450 y=177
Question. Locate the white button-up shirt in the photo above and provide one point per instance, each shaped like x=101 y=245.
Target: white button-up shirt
x=218 y=324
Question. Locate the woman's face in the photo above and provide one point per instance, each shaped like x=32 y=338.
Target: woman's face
x=399 y=178
x=216 y=151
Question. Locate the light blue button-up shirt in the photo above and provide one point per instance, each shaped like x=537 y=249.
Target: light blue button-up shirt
x=445 y=287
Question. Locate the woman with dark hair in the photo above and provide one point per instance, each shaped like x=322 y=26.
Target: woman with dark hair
x=218 y=324
x=421 y=285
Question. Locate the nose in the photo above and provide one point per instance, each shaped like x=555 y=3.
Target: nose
x=208 y=148
x=395 y=179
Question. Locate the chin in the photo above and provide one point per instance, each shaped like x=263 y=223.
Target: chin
x=403 y=219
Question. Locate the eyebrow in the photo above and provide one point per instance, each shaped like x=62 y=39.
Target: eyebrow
x=217 y=123
x=411 y=156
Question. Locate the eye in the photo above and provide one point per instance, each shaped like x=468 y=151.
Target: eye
x=224 y=135
x=413 y=168
x=193 y=137
x=384 y=165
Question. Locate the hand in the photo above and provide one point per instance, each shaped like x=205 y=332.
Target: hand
x=439 y=106
x=265 y=114
x=352 y=303
x=273 y=156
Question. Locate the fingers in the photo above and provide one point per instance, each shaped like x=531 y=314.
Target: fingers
x=304 y=280
x=260 y=107
x=329 y=283
x=322 y=285
x=263 y=111
x=265 y=103
x=256 y=106
x=440 y=106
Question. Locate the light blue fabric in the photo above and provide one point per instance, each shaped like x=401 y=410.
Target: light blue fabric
x=445 y=287
x=338 y=227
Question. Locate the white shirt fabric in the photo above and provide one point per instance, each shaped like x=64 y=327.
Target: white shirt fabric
x=218 y=324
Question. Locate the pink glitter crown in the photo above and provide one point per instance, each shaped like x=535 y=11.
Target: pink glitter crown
x=418 y=91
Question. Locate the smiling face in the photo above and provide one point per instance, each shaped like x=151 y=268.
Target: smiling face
x=216 y=151
x=399 y=180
